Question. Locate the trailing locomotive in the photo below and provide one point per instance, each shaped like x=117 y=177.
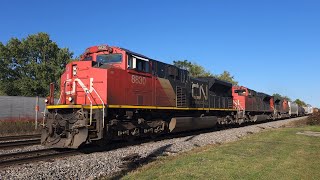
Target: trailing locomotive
x=113 y=93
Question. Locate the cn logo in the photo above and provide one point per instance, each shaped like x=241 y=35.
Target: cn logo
x=199 y=91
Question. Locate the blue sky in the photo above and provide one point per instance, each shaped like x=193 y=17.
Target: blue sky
x=268 y=45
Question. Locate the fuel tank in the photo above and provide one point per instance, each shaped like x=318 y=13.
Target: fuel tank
x=258 y=118
x=181 y=124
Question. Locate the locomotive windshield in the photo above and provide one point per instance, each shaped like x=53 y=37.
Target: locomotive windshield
x=109 y=58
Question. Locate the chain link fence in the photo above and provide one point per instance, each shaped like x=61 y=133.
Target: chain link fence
x=20 y=108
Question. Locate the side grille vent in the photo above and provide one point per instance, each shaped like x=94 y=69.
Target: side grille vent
x=181 y=100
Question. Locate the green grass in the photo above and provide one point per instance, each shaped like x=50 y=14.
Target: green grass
x=277 y=154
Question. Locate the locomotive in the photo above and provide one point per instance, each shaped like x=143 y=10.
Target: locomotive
x=113 y=93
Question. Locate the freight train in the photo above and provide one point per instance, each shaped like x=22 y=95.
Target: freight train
x=113 y=93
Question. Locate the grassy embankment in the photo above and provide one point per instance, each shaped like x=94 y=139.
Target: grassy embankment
x=13 y=128
x=274 y=154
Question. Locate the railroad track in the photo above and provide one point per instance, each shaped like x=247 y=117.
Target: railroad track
x=49 y=154
x=33 y=156
x=10 y=138
x=21 y=143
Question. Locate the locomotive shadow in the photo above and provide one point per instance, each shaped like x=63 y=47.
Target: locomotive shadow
x=113 y=145
x=134 y=161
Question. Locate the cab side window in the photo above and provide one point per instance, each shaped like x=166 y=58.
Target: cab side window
x=142 y=65
x=241 y=92
x=138 y=64
x=130 y=62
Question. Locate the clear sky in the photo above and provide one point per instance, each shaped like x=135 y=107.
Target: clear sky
x=268 y=45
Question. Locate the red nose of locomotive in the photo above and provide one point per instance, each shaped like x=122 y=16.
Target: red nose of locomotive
x=83 y=97
x=80 y=82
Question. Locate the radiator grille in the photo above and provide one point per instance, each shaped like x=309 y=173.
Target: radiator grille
x=181 y=99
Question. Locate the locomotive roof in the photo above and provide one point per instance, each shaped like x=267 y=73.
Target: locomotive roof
x=219 y=87
x=134 y=53
x=143 y=56
x=213 y=80
x=263 y=94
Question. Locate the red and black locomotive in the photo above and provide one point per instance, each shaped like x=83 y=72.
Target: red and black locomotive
x=113 y=93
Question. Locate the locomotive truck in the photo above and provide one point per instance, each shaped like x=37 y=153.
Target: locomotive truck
x=113 y=93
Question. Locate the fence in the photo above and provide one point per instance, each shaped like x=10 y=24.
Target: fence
x=20 y=108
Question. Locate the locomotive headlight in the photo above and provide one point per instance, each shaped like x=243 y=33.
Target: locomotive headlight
x=70 y=99
x=46 y=101
x=74 y=70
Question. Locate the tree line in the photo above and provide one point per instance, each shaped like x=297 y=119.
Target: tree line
x=196 y=70
x=29 y=65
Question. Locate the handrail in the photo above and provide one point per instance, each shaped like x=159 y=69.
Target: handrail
x=90 y=109
x=64 y=87
x=88 y=93
x=44 y=115
x=85 y=89
x=103 y=107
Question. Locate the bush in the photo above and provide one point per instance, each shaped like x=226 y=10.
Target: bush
x=12 y=128
x=314 y=119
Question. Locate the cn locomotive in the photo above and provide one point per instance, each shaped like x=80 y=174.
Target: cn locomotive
x=112 y=93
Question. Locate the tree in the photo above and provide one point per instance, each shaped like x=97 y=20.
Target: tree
x=2 y=93
x=29 y=65
x=226 y=76
x=300 y=102
x=196 y=70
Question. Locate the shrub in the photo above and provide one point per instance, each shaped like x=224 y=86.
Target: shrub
x=314 y=119
x=11 y=128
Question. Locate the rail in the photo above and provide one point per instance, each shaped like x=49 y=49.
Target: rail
x=11 y=144
x=21 y=137
x=33 y=156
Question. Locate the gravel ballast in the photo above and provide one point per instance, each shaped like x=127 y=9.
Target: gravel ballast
x=90 y=166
